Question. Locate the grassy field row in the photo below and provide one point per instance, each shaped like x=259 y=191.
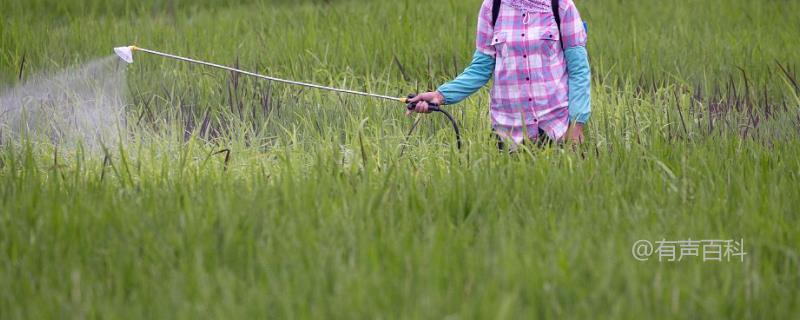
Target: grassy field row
x=692 y=41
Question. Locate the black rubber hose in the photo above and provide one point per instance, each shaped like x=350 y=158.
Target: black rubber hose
x=452 y=121
x=437 y=108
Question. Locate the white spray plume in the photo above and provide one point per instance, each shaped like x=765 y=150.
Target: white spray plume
x=84 y=104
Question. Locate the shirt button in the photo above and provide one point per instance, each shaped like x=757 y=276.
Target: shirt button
x=527 y=79
x=523 y=34
x=550 y=36
x=530 y=99
x=524 y=56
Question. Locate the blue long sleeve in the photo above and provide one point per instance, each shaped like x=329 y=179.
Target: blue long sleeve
x=580 y=84
x=474 y=77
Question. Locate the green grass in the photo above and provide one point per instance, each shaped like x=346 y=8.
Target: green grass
x=318 y=213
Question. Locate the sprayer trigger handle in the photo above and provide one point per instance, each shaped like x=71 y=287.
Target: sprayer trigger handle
x=433 y=107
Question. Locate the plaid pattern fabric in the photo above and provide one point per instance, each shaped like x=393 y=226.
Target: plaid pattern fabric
x=530 y=5
x=530 y=89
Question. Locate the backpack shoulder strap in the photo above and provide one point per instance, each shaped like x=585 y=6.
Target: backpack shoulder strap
x=557 y=15
x=495 y=11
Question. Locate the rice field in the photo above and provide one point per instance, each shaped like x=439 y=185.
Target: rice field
x=230 y=197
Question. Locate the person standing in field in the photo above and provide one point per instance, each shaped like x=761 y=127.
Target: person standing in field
x=541 y=71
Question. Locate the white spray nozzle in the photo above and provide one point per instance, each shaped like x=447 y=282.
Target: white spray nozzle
x=125 y=53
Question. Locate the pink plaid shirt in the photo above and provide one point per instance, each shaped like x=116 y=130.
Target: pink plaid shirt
x=530 y=91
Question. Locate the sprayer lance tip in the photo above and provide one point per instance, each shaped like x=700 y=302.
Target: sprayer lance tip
x=125 y=53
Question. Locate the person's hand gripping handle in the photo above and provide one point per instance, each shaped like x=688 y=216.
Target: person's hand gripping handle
x=424 y=103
